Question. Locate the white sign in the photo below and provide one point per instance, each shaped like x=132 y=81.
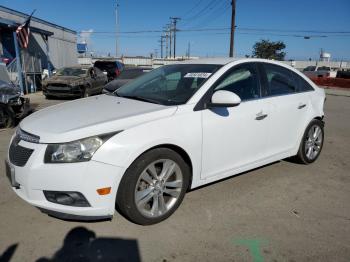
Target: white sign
x=197 y=75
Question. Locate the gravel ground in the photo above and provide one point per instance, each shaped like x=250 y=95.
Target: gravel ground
x=280 y=212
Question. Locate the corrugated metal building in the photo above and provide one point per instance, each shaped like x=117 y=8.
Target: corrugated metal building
x=50 y=45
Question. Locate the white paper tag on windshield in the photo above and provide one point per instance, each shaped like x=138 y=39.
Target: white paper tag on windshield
x=197 y=75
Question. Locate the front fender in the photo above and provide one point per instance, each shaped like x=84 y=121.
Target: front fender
x=122 y=149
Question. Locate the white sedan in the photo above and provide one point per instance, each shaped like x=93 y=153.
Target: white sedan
x=176 y=128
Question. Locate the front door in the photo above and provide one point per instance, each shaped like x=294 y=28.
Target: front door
x=234 y=137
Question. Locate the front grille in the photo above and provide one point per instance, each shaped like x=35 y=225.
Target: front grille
x=19 y=155
x=58 y=85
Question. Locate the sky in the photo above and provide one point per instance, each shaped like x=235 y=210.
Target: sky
x=276 y=20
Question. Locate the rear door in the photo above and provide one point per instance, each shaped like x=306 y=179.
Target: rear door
x=288 y=107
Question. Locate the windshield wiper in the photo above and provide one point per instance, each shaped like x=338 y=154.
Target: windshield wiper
x=139 y=98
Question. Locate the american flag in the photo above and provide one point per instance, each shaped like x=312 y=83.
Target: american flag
x=23 y=33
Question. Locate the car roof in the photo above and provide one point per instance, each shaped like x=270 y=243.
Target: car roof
x=210 y=61
x=227 y=60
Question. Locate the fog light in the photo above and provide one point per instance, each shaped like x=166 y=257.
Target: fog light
x=67 y=198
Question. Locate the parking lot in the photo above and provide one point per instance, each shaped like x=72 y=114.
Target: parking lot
x=280 y=212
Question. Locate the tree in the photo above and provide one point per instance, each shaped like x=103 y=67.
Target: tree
x=269 y=50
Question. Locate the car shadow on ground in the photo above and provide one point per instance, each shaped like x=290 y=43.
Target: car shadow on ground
x=8 y=253
x=81 y=244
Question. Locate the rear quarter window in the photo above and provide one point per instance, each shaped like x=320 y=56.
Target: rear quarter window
x=302 y=84
x=280 y=80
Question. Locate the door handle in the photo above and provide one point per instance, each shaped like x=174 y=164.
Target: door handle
x=260 y=116
x=301 y=106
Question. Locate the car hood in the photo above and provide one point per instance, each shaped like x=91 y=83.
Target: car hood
x=91 y=116
x=63 y=79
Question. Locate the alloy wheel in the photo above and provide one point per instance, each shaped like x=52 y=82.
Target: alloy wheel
x=158 y=188
x=313 y=142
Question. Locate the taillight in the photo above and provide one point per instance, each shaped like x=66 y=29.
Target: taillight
x=117 y=72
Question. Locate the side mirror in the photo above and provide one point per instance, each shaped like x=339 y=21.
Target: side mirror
x=223 y=98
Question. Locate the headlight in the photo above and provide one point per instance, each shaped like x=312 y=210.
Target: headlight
x=76 y=151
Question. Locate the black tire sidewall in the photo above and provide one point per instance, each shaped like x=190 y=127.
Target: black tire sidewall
x=126 y=192
x=85 y=92
x=302 y=153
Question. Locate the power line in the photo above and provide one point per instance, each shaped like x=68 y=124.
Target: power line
x=216 y=12
x=224 y=28
x=198 y=33
x=200 y=13
x=190 y=10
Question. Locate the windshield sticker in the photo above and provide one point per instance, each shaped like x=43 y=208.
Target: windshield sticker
x=197 y=75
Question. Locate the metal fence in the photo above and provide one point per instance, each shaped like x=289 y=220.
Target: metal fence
x=32 y=70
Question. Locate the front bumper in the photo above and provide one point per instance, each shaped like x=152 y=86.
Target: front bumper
x=66 y=91
x=85 y=177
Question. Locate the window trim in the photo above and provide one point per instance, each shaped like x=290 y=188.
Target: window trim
x=202 y=103
x=295 y=75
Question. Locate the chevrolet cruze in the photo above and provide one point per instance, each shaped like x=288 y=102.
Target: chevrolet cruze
x=178 y=127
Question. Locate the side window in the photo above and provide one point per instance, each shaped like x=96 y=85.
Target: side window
x=243 y=81
x=280 y=80
x=303 y=86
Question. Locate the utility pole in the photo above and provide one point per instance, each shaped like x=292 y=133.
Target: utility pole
x=174 y=22
x=166 y=32
x=232 y=38
x=162 y=37
x=166 y=44
x=189 y=49
x=116 y=28
x=155 y=53
x=170 y=38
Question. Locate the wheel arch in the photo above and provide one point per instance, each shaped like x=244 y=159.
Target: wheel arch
x=315 y=117
x=182 y=152
x=176 y=148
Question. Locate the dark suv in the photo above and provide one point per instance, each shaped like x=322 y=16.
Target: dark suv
x=111 y=68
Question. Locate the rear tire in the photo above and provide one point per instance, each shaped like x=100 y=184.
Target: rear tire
x=149 y=194
x=312 y=142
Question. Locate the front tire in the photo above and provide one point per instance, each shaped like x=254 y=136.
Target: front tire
x=311 y=145
x=85 y=92
x=153 y=186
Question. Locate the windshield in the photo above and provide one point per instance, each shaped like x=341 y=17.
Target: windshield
x=324 y=68
x=168 y=85
x=71 y=71
x=310 y=68
x=105 y=65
